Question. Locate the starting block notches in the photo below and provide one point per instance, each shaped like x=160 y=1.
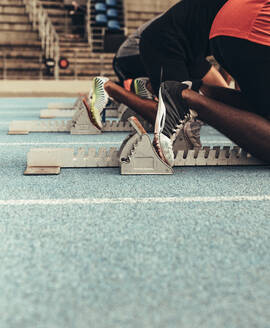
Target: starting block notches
x=60 y=106
x=110 y=111
x=65 y=106
x=61 y=109
x=135 y=156
x=66 y=113
x=80 y=124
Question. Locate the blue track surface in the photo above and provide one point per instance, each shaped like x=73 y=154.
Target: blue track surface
x=189 y=250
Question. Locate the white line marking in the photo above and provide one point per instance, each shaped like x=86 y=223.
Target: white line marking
x=59 y=143
x=20 y=111
x=97 y=201
x=88 y=143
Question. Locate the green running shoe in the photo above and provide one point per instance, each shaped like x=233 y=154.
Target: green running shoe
x=98 y=99
x=140 y=87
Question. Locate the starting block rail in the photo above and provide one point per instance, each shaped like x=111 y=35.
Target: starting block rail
x=58 y=113
x=60 y=106
x=80 y=124
x=64 y=106
x=55 y=112
x=135 y=156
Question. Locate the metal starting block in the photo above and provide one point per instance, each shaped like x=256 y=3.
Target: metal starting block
x=135 y=156
x=61 y=106
x=80 y=124
x=110 y=111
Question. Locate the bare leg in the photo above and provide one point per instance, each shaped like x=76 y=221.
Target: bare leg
x=144 y=107
x=248 y=130
x=227 y=77
x=213 y=77
x=226 y=95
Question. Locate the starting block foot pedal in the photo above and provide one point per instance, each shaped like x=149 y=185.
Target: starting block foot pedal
x=138 y=156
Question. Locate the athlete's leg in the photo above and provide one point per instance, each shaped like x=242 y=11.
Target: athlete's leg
x=239 y=115
x=144 y=107
x=213 y=77
x=226 y=95
x=248 y=130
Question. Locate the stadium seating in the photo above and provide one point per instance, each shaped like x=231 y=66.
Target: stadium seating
x=21 y=46
x=111 y=3
x=112 y=13
x=101 y=19
x=100 y=7
x=107 y=19
x=114 y=25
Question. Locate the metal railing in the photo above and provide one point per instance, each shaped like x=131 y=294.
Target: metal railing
x=49 y=38
x=88 y=22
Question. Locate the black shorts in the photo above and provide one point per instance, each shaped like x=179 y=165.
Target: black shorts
x=249 y=64
x=129 y=67
x=165 y=59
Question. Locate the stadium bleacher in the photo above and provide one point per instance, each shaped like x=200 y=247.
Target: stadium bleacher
x=110 y=21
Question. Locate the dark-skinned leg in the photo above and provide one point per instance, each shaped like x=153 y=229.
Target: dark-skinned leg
x=227 y=96
x=248 y=130
x=148 y=108
x=144 y=107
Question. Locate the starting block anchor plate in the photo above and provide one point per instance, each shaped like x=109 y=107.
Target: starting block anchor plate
x=42 y=170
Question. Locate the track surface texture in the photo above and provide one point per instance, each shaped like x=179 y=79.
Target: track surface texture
x=92 y=248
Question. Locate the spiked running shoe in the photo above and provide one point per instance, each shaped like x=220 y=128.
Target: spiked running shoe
x=98 y=100
x=173 y=113
x=140 y=88
x=90 y=113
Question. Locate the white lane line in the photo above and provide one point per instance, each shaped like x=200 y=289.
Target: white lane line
x=88 y=143
x=20 y=112
x=59 y=143
x=149 y=200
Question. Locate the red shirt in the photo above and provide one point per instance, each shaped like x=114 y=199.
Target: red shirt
x=244 y=19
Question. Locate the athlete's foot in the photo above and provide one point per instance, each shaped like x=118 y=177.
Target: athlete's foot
x=98 y=99
x=172 y=116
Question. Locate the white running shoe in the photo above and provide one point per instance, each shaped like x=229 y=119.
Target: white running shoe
x=98 y=99
x=141 y=90
x=172 y=117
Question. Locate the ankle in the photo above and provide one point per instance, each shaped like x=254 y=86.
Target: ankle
x=107 y=85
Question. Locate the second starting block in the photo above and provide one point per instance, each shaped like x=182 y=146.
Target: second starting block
x=111 y=110
x=79 y=124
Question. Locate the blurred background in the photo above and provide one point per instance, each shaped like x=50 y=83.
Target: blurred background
x=67 y=40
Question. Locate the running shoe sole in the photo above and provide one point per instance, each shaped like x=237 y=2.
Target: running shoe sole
x=91 y=116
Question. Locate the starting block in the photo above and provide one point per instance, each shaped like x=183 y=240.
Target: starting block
x=61 y=105
x=135 y=156
x=79 y=124
x=111 y=110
